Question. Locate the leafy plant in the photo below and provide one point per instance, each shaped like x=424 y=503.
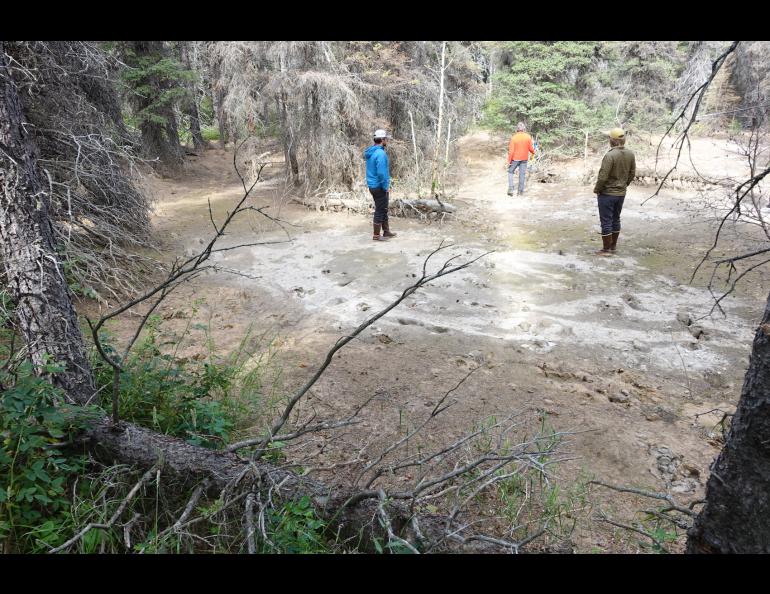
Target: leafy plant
x=294 y=528
x=37 y=463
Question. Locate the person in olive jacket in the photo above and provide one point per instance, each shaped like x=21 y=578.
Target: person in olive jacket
x=615 y=175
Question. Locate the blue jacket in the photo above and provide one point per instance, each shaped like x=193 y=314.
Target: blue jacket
x=377 y=167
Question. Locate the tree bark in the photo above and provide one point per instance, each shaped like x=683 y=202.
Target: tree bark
x=736 y=516
x=34 y=274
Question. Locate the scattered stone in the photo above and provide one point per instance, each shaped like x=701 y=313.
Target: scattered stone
x=697 y=331
x=477 y=356
x=325 y=271
x=640 y=346
x=525 y=326
x=408 y=322
x=620 y=398
x=684 y=318
x=684 y=486
x=308 y=256
x=362 y=306
x=384 y=338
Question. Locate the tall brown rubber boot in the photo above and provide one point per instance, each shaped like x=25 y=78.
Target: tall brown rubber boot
x=386 y=230
x=376 y=234
x=606 y=246
x=614 y=240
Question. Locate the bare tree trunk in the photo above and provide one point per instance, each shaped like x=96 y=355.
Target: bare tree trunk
x=736 y=516
x=434 y=175
x=416 y=160
x=33 y=273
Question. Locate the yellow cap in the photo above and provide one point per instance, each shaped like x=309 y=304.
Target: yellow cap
x=616 y=133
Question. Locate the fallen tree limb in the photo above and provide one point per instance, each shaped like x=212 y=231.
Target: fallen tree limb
x=397 y=205
x=353 y=520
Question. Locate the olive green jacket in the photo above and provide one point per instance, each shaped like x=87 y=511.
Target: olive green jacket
x=617 y=172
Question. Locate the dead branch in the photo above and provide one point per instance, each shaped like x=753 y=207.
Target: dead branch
x=145 y=477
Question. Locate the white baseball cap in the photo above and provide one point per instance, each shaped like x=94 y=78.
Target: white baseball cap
x=381 y=134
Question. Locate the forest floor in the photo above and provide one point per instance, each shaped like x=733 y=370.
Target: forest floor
x=583 y=343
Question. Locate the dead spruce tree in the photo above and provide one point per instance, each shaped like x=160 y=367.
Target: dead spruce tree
x=325 y=98
x=99 y=213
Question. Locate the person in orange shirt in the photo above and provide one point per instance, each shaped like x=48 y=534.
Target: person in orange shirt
x=518 y=154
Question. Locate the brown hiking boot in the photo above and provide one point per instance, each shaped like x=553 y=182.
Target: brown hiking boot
x=386 y=230
x=376 y=234
x=606 y=246
x=614 y=240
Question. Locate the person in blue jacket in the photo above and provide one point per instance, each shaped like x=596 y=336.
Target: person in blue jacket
x=378 y=180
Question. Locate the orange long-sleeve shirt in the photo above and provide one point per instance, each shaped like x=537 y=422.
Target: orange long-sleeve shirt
x=520 y=147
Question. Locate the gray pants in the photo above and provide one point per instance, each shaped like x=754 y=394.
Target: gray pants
x=522 y=167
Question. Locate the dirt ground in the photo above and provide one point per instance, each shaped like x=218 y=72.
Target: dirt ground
x=594 y=345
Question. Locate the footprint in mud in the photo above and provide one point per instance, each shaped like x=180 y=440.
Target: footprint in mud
x=632 y=301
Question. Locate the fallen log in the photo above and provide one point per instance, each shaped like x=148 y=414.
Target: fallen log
x=397 y=205
x=424 y=205
x=354 y=517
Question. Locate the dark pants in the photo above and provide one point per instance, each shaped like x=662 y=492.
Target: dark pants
x=609 y=212
x=381 y=199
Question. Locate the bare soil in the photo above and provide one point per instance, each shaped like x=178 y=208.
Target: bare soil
x=590 y=344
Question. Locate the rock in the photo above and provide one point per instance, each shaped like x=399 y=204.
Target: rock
x=640 y=346
x=684 y=486
x=684 y=318
x=697 y=331
x=362 y=306
x=384 y=338
x=620 y=397
x=525 y=326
